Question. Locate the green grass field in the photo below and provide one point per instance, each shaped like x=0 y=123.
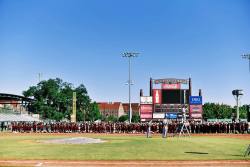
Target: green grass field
x=118 y=147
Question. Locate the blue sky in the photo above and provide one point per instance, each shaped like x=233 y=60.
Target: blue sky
x=82 y=41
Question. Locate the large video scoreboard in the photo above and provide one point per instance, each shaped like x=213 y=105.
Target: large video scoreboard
x=176 y=96
x=170 y=97
x=167 y=100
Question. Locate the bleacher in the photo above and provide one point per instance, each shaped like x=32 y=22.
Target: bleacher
x=9 y=115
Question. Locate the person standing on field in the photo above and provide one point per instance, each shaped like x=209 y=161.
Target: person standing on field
x=149 y=129
x=165 y=128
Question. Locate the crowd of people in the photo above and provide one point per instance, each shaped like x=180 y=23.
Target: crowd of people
x=108 y=127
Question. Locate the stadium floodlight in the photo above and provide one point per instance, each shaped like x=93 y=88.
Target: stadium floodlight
x=247 y=56
x=130 y=55
x=40 y=75
x=237 y=93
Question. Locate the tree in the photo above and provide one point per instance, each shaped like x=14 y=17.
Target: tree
x=94 y=112
x=123 y=118
x=243 y=112
x=222 y=111
x=111 y=118
x=53 y=100
x=136 y=118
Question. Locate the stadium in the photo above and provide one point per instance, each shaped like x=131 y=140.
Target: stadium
x=125 y=83
x=171 y=132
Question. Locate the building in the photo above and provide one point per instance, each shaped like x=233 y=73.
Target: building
x=111 y=109
x=16 y=103
x=135 y=108
x=16 y=108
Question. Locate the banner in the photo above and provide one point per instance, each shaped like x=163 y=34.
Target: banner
x=195 y=100
x=158 y=115
x=146 y=111
x=157 y=96
x=195 y=108
x=171 y=115
x=171 y=86
x=196 y=111
x=146 y=100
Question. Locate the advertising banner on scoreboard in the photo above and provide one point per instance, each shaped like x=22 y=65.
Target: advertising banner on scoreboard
x=194 y=100
x=196 y=108
x=196 y=111
x=157 y=95
x=146 y=100
x=171 y=115
x=195 y=115
x=146 y=111
x=158 y=115
x=171 y=86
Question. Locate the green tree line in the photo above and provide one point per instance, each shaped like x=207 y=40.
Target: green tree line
x=53 y=100
x=222 y=111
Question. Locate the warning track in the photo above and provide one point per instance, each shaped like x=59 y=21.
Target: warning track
x=63 y=163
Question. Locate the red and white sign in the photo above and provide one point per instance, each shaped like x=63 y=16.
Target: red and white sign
x=146 y=100
x=171 y=86
x=157 y=96
x=146 y=111
x=196 y=111
x=195 y=108
x=196 y=115
x=158 y=115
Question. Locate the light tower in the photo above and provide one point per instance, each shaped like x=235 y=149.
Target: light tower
x=40 y=75
x=237 y=95
x=129 y=55
x=247 y=56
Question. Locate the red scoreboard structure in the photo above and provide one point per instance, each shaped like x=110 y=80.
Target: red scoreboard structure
x=170 y=96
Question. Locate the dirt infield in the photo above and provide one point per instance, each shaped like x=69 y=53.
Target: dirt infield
x=63 y=163
x=230 y=135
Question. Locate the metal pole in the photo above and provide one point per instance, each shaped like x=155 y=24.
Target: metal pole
x=247 y=56
x=237 y=103
x=129 y=85
x=129 y=55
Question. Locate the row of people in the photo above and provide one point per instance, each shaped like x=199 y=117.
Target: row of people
x=88 y=127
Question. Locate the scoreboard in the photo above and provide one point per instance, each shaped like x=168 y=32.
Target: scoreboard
x=177 y=96
x=169 y=98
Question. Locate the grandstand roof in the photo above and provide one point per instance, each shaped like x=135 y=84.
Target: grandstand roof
x=15 y=97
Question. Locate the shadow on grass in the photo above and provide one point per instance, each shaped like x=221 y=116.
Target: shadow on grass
x=236 y=155
x=195 y=153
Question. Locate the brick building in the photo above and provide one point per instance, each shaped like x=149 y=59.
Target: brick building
x=117 y=109
x=111 y=108
x=135 y=108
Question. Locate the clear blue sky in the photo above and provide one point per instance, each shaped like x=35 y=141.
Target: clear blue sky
x=81 y=41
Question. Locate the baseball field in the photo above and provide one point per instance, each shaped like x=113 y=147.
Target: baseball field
x=120 y=147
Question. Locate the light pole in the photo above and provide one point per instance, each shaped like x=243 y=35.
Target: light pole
x=237 y=93
x=39 y=76
x=247 y=56
x=129 y=55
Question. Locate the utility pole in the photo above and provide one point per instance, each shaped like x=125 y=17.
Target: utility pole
x=129 y=55
x=247 y=56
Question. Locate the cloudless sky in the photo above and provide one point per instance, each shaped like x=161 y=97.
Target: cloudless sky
x=82 y=41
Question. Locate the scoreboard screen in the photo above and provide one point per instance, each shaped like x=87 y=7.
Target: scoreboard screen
x=175 y=96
